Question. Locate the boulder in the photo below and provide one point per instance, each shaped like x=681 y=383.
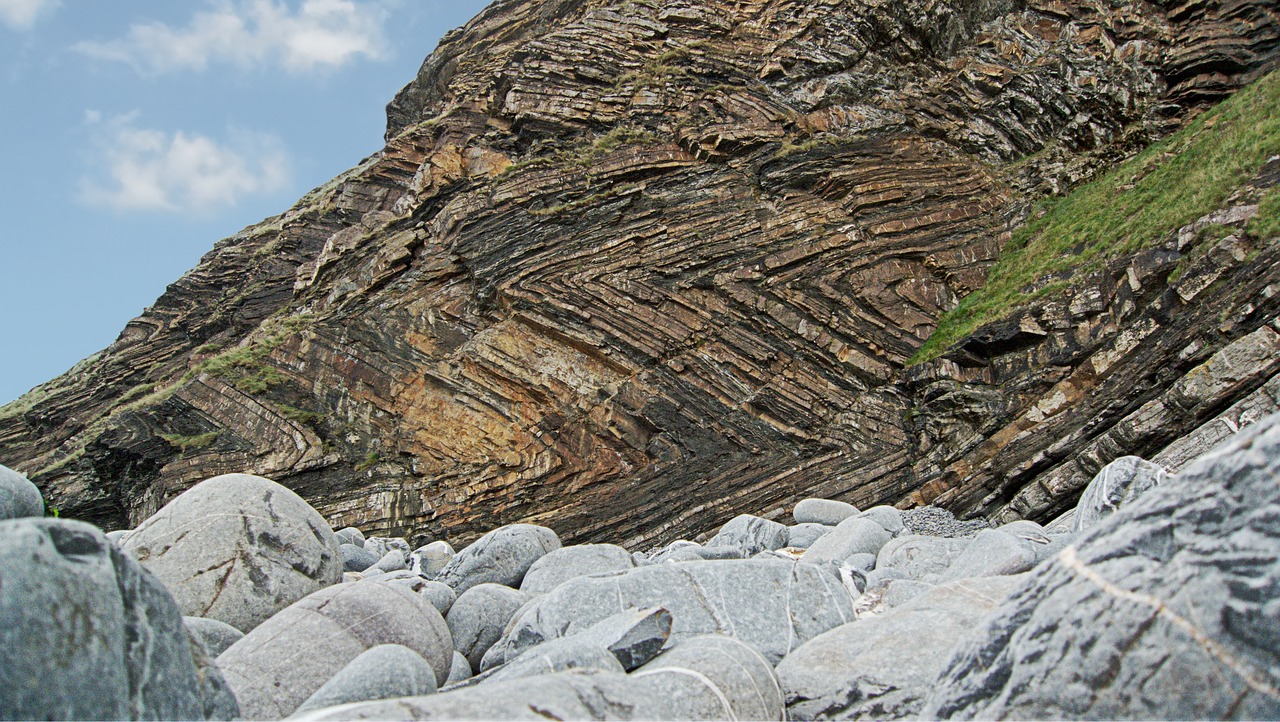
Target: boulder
x=558 y=655
x=350 y=535
x=1164 y=610
x=286 y=659
x=712 y=677
x=771 y=604
x=237 y=548
x=920 y=557
x=380 y=545
x=214 y=636
x=477 y=618
x=1114 y=486
x=678 y=551
x=889 y=518
x=750 y=535
x=854 y=535
x=565 y=563
x=862 y=561
x=823 y=511
x=86 y=632
x=19 y=498
x=459 y=669
x=392 y=561
x=632 y=637
x=440 y=595
x=500 y=557
x=881 y=667
x=216 y=698
x=430 y=559
x=382 y=672
x=356 y=559
x=802 y=536
x=991 y=553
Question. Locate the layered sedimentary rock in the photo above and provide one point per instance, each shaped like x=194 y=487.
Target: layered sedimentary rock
x=620 y=254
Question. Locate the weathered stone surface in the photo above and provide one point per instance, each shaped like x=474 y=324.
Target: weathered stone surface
x=459 y=669
x=86 y=632
x=750 y=535
x=381 y=546
x=1118 y=484
x=392 y=561
x=739 y=682
x=887 y=517
x=18 y=496
x=477 y=618
x=565 y=563
x=823 y=511
x=217 y=701
x=773 y=605
x=854 y=535
x=991 y=553
x=213 y=636
x=882 y=667
x=500 y=557
x=356 y=558
x=431 y=558
x=632 y=637
x=237 y=548
x=920 y=557
x=284 y=660
x=802 y=536
x=382 y=672
x=1159 y=611
x=350 y=535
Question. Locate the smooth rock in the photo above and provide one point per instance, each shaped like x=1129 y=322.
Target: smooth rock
x=350 y=535
x=477 y=618
x=889 y=518
x=118 y=535
x=991 y=553
x=750 y=535
x=500 y=557
x=214 y=636
x=284 y=660
x=440 y=595
x=431 y=559
x=19 y=498
x=896 y=592
x=713 y=677
x=823 y=511
x=558 y=655
x=802 y=536
x=565 y=563
x=632 y=637
x=459 y=669
x=392 y=561
x=237 y=548
x=1114 y=486
x=854 y=535
x=86 y=632
x=1164 y=610
x=920 y=557
x=217 y=700
x=380 y=545
x=880 y=575
x=382 y=672
x=862 y=561
x=356 y=559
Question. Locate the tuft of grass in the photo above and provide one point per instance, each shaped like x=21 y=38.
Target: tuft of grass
x=195 y=441
x=293 y=413
x=370 y=460
x=1167 y=186
x=246 y=367
x=1267 y=223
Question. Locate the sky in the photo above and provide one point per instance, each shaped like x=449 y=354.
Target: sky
x=136 y=133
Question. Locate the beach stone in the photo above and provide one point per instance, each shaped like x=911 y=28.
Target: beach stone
x=565 y=563
x=214 y=636
x=854 y=535
x=1166 y=609
x=889 y=518
x=381 y=672
x=440 y=595
x=459 y=669
x=18 y=496
x=392 y=561
x=350 y=535
x=632 y=637
x=86 y=632
x=237 y=548
x=880 y=575
x=118 y=535
x=881 y=667
x=802 y=536
x=771 y=604
x=477 y=618
x=896 y=592
x=1114 y=486
x=431 y=559
x=380 y=545
x=356 y=559
x=823 y=511
x=558 y=655
x=749 y=535
x=862 y=561
x=991 y=553
x=679 y=551
x=500 y=557
x=283 y=661
x=216 y=698
x=712 y=677
x=920 y=557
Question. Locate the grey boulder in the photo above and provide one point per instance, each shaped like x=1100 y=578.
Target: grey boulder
x=19 y=498
x=580 y=560
x=991 y=553
x=1114 y=486
x=500 y=557
x=459 y=669
x=381 y=672
x=86 y=632
x=802 y=536
x=632 y=637
x=854 y=535
x=823 y=511
x=350 y=535
x=214 y=636
x=380 y=545
x=477 y=618
x=430 y=559
x=356 y=559
x=392 y=561
x=237 y=548
x=889 y=518
x=750 y=535
x=920 y=557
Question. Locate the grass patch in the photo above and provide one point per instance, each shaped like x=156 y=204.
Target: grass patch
x=1167 y=186
x=196 y=441
x=370 y=460
x=1267 y=223
x=301 y=416
x=246 y=367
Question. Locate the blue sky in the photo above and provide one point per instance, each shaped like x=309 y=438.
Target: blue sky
x=136 y=133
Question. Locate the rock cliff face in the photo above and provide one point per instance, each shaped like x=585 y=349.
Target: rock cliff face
x=620 y=258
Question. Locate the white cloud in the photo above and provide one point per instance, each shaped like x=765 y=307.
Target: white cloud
x=253 y=33
x=22 y=14
x=142 y=169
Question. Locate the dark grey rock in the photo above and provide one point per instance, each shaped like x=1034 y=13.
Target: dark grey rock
x=86 y=632
x=477 y=618
x=216 y=698
x=920 y=557
x=500 y=557
x=1167 y=609
x=380 y=545
x=854 y=535
x=749 y=535
x=356 y=559
x=771 y=604
x=936 y=521
x=802 y=536
x=1116 y=485
x=459 y=670
x=392 y=561
x=237 y=548
x=889 y=518
x=565 y=563
x=350 y=535
x=431 y=559
x=382 y=672
x=991 y=553
x=285 y=659
x=214 y=636
x=823 y=511
x=881 y=667
x=19 y=498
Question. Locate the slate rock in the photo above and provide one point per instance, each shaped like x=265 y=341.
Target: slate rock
x=881 y=667
x=350 y=535
x=459 y=669
x=19 y=498
x=477 y=618
x=500 y=557
x=382 y=672
x=565 y=563
x=86 y=632
x=889 y=518
x=750 y=535
x=802 y=536
x=919 y=556
x=356 y=559
x=823 y=511
x=1114 y=486
x=430 y=559
x=854 y=535
x=237 y=548
x=380 y=545
x=284 y=660
x=991 y=553
x=771 y=604
x=214 y=636
x=1164 y=610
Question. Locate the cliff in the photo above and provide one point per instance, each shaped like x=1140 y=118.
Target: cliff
x=623 y=258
